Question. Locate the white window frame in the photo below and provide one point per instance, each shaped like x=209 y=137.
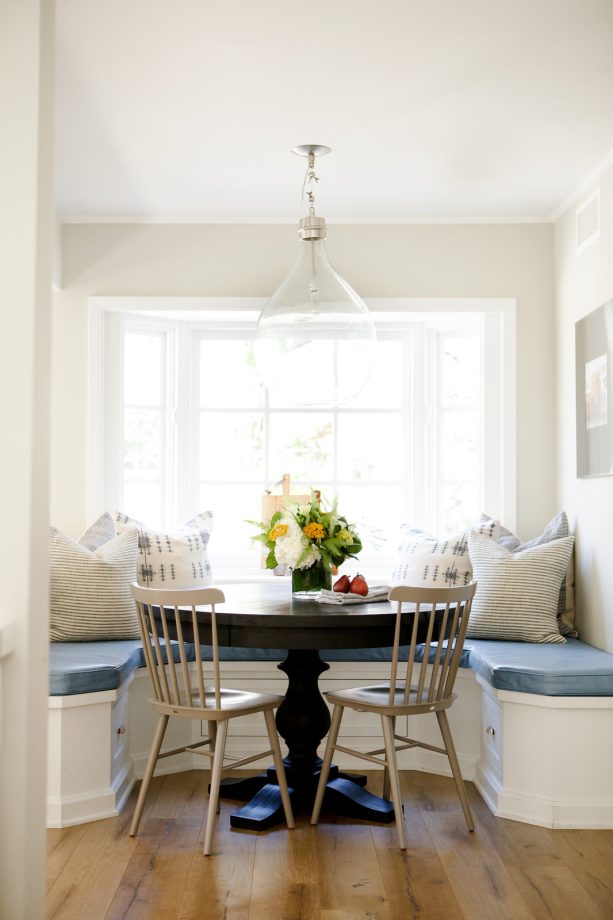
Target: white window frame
x=498 y=367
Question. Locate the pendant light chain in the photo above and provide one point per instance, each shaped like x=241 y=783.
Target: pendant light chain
x=307 y=195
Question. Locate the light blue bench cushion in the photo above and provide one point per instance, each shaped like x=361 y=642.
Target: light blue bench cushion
x=85 y=667
x=574 y=669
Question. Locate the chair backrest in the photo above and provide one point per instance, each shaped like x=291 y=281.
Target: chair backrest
x=448 y=610
x=158 y=613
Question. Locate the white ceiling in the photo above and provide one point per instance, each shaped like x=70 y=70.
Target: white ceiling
x=187 y=109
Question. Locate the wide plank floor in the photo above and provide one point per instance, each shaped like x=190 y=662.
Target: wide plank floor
x=342 y=870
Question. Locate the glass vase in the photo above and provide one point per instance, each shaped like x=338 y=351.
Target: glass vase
x=308 y=581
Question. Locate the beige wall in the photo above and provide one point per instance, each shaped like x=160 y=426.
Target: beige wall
x=583 y=282
x=244 y=260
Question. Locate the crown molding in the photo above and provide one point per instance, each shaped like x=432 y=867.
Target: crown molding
x=67 y=219
x=583 y=186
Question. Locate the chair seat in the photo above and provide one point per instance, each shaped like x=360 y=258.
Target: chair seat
x=233 y=703
x=377 y=698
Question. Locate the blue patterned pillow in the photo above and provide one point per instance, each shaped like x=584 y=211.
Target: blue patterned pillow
x=172 y=560
x=426 y=561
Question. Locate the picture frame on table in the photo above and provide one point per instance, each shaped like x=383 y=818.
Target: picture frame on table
x=594 y=392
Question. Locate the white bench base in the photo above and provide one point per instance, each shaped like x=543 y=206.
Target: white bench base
x=537 y=759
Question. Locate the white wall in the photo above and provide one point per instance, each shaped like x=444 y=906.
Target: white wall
x=26 y=88
x=248 y=260
x=583 y=282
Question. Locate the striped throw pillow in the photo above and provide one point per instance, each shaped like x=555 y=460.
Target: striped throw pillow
x=172 y=560
x=517 y=593
x=557 y=528
x=90 y=591
x=422 y=560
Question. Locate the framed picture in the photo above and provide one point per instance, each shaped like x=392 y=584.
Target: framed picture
x=594 y=374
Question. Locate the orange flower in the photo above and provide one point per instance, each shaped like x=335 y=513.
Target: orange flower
x=279 y=530
x=315 y=531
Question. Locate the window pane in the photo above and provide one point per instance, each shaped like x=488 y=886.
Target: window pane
x=384 y=387
x=301 y=444
x=377 y=513
x=142 y=385
x=460 y=369
x=369 y=446
x=143 y=502
x=458 y=445
x=142 y=439
x=459 y=507
x=228 y=376
x=232 y=506
x=231 y=445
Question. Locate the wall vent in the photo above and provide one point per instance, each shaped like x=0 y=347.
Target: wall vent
x=588 y=221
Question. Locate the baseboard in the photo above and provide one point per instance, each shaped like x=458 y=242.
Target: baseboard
x=123 y=785
x=80 y=809
x=431 y=762
x=541 y=810
x=91 y=805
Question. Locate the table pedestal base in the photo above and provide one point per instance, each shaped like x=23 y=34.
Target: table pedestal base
x=345 y=795
x=303 y=720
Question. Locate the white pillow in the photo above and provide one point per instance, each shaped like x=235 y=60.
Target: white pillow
x=517 y=593
x=175 y=560
x=426 y=561
x=90 y=591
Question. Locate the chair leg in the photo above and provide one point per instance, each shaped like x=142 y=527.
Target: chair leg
x=213 y=739
x=278 y=762
x=222 y=731
x=337 y=715
x=392 y=766
x=156 y=745
x=386 y=772
x=455 y=767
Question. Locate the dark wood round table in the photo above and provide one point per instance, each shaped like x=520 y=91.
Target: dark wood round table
x=266 y=616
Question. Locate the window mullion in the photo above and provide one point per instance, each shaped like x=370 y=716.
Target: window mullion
x=419 y=416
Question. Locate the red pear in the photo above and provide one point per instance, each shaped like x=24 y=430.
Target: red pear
x=359 y=586
x=342 y=585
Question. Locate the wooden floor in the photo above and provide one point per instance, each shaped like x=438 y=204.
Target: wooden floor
x=342 y=870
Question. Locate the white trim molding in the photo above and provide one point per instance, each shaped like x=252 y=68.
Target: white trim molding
x=592 y=200
x=583 y=186
x=498 y=316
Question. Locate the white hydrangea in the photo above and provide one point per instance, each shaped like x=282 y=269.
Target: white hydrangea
x=295 y=547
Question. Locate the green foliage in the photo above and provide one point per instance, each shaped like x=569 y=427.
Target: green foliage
x=266 y=527
x=339 y=542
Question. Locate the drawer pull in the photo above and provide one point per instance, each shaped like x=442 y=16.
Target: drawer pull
x=490 y=730
x=121 y=730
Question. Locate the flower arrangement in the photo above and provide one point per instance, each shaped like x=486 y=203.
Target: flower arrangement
x=301 y=536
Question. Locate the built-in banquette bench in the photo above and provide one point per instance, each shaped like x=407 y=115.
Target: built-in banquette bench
x=533 y=725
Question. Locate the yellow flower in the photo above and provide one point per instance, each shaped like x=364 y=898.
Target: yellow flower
x=279 y=530
x=315 y=531
x=345 y=537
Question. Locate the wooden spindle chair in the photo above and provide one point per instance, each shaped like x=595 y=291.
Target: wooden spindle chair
x=181 y=689
x=425 y=686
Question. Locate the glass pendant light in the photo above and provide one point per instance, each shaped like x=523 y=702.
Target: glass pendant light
x=315 y=339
